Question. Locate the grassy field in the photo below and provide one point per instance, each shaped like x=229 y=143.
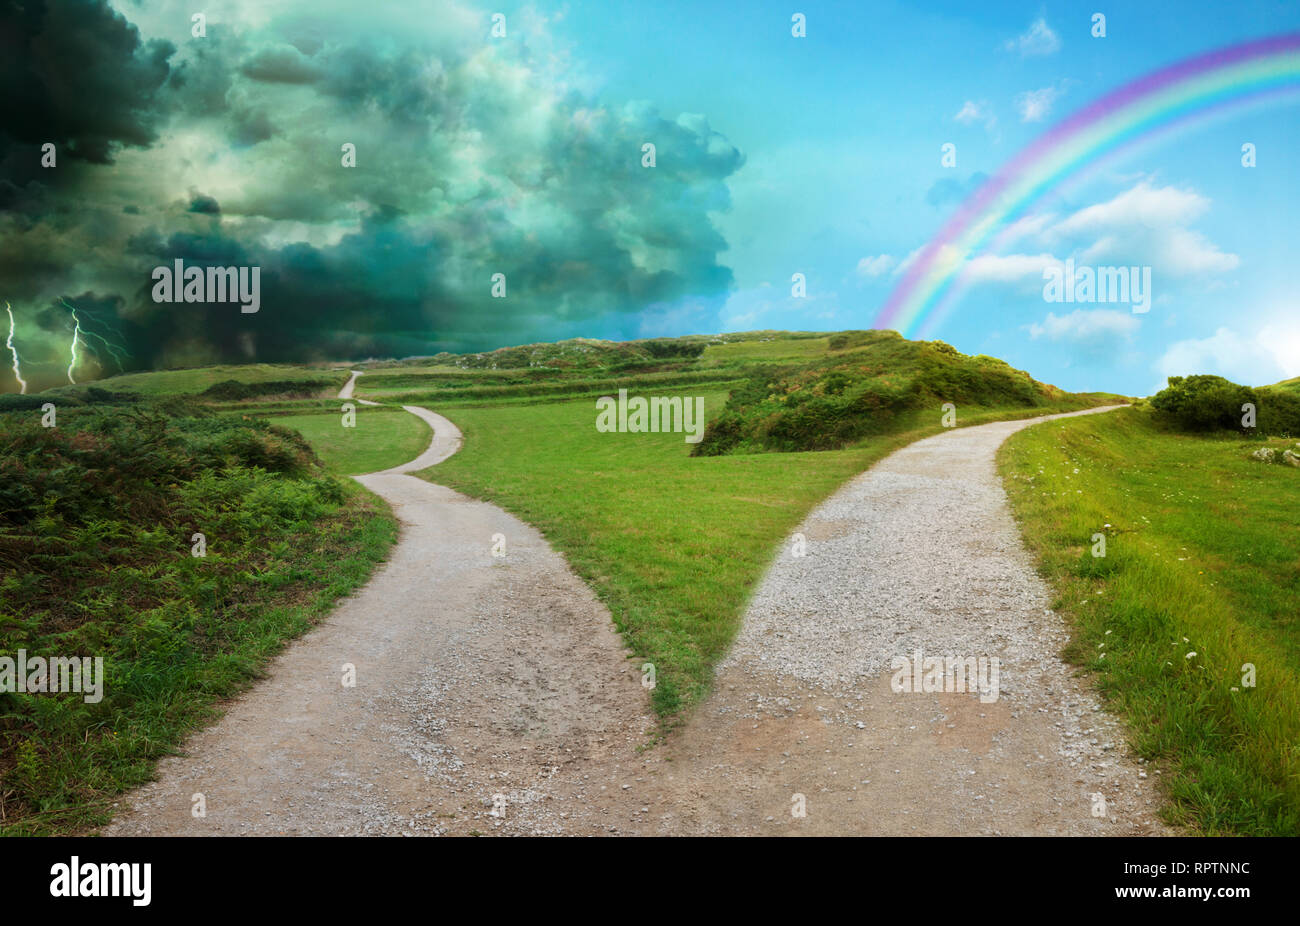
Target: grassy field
x=383 y=437
x=1200 y=578
x=189 y=382
x=673 y=544
x=777 y=349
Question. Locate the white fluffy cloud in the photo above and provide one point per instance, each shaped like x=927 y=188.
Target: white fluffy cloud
x=1085 y=326
x=876 y=266
x=1143 y=205
x=1267 y=356
x=972 y=112
x=1175 y=250
x=1142 y=226
x=1009 y=268
x=1036 y=105
x=1038 y=39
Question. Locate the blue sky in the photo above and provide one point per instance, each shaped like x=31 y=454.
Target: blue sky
x=841 y=133
x=519 y=154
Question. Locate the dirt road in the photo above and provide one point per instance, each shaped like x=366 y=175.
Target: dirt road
x=917 y=555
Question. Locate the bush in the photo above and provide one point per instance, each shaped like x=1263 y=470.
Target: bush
x=234 y=391
x=16 y=402
x=1279 y=413
x=672 y=348
x=1203 y=403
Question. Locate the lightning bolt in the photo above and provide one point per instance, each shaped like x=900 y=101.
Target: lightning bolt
x=18 y=373
x=114 y=351
x=117 y=353
x=76 y=339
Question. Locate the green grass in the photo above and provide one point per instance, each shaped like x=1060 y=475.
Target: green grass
x=189 y=382
x=97 y=518
x=1202 y=557
x=673 y=544
x=475 y=392
x=777 y=349
x=1289 y=385
x=383 y=437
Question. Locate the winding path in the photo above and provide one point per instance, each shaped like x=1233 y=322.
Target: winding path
x=493 y=695
x=488 y=690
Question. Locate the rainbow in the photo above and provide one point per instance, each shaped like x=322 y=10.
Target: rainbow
x=1202 y=87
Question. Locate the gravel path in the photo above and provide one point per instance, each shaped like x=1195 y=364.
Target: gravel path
x=493 y=695
x=350 y=386
x=920 y=553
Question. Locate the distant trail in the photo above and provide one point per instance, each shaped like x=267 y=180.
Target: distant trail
x=350 y=385
x=490 y=693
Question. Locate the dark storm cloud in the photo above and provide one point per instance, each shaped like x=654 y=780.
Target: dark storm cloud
x=204 y=205
x=283 y=64
x=104 y=332
x=77 y=74
x=200 y=82
x=470 y=162
x=250 y=126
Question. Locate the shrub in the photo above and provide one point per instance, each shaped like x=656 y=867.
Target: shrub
x=234 y=391
x=96 y=523
x=1203 y=403
x=672 y=348
x=1278 y=412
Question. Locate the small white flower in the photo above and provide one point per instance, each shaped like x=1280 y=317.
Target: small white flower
x=1190 y=655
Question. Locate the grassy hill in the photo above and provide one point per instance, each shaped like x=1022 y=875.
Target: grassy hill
x=870 y=383
x=1290 y=387
x=194 y=381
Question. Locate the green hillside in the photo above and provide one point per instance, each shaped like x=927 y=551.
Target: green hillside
x=870 y=383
